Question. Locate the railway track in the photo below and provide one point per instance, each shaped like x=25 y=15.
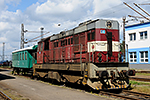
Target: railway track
x=142 y=71
x=3 y=96
x=140 y=79
x=127 y=95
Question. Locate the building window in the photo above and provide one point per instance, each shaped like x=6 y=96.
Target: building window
x=143 y=35
x=132 y=37
x=133 y=57
x=144 y=56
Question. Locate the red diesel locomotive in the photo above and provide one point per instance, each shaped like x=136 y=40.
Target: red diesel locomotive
x=88 y=54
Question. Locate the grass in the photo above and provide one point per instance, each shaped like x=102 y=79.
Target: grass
x=139 y=86
x=143 y=89
x=5 y=66
x=139 y=83
x=143 y=74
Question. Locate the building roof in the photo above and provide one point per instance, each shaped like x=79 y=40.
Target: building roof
x=139 y=25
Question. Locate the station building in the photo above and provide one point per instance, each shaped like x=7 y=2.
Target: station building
x=138 y=41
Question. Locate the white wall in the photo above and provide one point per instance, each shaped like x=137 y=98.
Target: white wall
x=138 y=43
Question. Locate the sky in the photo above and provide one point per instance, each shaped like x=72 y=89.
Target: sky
x=35 y=14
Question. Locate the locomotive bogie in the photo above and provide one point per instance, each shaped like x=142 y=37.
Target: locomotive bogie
x=85 y=73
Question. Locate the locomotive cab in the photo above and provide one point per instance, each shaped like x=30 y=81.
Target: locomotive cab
x=105 y=46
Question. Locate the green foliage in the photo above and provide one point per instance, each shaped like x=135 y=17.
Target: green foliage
x=139 y=83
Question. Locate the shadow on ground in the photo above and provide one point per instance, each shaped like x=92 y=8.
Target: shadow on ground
x=4 y=70
x=4 y=77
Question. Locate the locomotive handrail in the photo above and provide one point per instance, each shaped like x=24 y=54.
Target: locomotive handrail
x=92 y=52
x=72 y=52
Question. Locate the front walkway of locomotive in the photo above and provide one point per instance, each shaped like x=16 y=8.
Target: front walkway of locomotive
x=89 y=54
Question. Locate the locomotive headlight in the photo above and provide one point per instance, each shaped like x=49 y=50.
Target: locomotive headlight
x=131 y=72
x=99 y=57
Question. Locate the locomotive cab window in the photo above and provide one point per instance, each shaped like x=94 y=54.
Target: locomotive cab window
x=55 y=44
x=46 y=45
x=91 y=36
x=76 y=40
x=63 y=42
x=71 y=40
x=68 y=41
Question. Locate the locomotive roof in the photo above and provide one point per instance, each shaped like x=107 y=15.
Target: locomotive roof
x=47 y=38
x=84 y=26
x=28 y=48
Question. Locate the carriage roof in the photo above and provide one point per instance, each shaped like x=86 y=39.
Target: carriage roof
x=28 y=48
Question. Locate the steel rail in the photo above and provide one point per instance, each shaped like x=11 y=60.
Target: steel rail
x=5 y=96
x=118 y=95
x=137 y=93
x=142 y=71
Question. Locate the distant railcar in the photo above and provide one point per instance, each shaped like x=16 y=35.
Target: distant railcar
x=89 y=54
x=23 y=59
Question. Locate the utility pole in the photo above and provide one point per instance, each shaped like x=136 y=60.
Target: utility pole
x=124 y=18
x=3 y=57
x=22 y=36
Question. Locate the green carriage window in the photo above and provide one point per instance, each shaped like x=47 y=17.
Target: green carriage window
x=22 y=56
x=25 y=55
x=16 y=57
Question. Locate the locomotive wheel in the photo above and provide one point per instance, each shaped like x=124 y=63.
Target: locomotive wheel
x=18 y=71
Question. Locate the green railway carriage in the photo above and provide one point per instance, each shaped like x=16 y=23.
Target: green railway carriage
x=23 y=59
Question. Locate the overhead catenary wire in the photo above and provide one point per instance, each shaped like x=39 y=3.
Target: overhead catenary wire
x=136 y=11
x=144 y=4
x=32 y=40
x=141 y=9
